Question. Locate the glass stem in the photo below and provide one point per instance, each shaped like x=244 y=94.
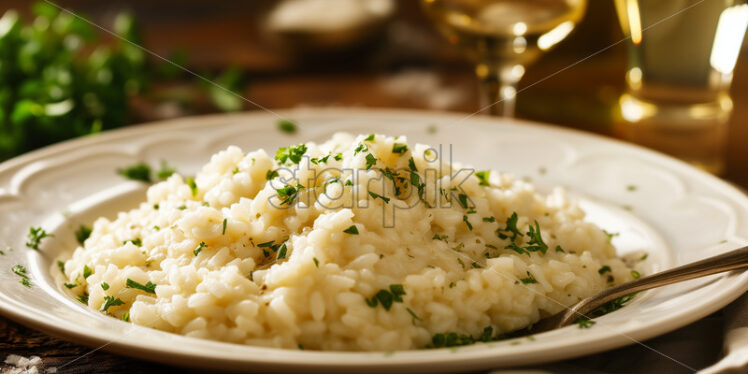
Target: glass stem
x=498 y=84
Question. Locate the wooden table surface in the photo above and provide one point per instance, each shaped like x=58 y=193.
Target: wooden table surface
x=217 y=34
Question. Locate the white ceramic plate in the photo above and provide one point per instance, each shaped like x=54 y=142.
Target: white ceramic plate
x=674 y=212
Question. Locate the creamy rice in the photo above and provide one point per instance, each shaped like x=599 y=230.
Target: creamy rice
x=238 y=258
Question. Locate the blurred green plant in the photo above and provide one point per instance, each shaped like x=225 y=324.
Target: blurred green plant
x=57 y=82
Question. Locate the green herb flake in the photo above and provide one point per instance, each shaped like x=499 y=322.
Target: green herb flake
x=137 y=242
x=271 y=174
x=148 y=287
x=349 y=183
x=631 y=188
x=412 y=164
x=467 y=222
x=489 y=219
x=83 y=299
x=316 y=261
x=536 y=240
x=353 y=230
x=223 y=230
x=35 y=236
x=82 y=233
x=463 y=200
x=584 y=323
x=635 y=274
x=370 y=161
x=559 y=249
x=292 y=153
x=483 y=177
x=87 y=271
x=20 y=270
x=511 y=228
x=529 y=279
x=193 y=186
x=399 y=148
x=235 y=171
x=282 y=251
x=126 y=317
x=360 y=148
x=414 y=316
x=611 y=235
x=61 y=266
x=338 y=157
x=110 y=301
x=166 y=171
x=369 y=138
x=604 y=269
x=70 y=285
x=140 y=172
x=199 y=248
x=287 y=126
x=288 y=193
x=104 y=286
x=375 y=196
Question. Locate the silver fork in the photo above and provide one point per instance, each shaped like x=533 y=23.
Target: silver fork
x=734 y=260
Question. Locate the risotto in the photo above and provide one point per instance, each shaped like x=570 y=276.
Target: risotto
x=360 y=243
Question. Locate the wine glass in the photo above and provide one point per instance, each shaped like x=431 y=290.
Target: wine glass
x=502 y=37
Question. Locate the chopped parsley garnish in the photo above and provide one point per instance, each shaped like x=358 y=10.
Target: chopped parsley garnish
x=287 y=126
x=148 y=287
x=432 y=129
x=353 y=230
x=631 y=187
x=61 y=266
x=413 y=315
x=271 y=174
x=316 y=262
x=644 y=257
x=35 y=236
x=87 y=271
x=369 y=138
x=137 y=241
x=104 y=286
x=511 y=227
x=182 y=207
x=412 y=164
x=199 y=248
x=166 y=171
x=584 y=323
x=282 y=251
x=399 y=148
x=463 y=199
x=20 y=270
x=110 y=301
x=604 y=269
x=321 y=159
x=349 y=183
x=529 y=279
x=483 y=177
x=126 y=317
x=70 y=285
x=156 y=206
x=292 y=153
x=361 y=148
x=83 y=299
x=542 y=170
x=138 y=172
x=536 y=240
x=611 y=235
x=387 y=297
x=82 y=233
x=370 y=161
x=453 y=339
x=193 y=186
x=338 y=157
x=489 y=219
x=374 y=196
x=288 y=193
x=235 y=171
x=635 y=274
x=223 y=230
x=438 y=237
x=465 y=219
x=559 y=249
x=266 y=244
x=415 y=180
x=451 y=284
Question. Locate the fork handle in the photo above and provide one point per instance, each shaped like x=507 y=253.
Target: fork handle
x=734 y=260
